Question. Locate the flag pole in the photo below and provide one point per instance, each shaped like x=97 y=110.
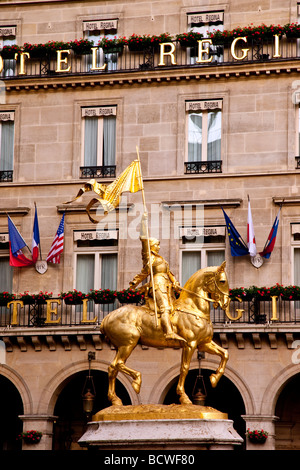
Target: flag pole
x=147 y=235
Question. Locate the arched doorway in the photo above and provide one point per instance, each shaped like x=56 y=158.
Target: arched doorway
x=287 y=428
x=71 y=422
x=225 y=398
x=11 y=407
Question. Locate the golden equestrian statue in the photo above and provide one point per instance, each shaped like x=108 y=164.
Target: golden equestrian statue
x=129 y=325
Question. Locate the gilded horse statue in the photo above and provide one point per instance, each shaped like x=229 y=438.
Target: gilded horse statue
x=129 y=325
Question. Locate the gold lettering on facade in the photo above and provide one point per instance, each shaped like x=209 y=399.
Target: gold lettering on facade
x=61 y=61
x=202 y=51
x=276 y=46
x=84 y=313
x=52 y=311
x=23 y=56
x=233 y=51
x=163 y=53
x=15 y=303
x=274 y=308
x=94 y=60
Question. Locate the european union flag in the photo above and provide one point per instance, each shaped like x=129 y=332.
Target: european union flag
x=237 y=244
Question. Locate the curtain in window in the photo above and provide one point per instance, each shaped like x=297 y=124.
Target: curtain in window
x=214 y=135
x=90 y=141
x=7 y=145
x=191 y=262
x=109 y=140
x=109 y=271
x=85 y=272
x=195 y=137
x=215 y=258
x=6 y=275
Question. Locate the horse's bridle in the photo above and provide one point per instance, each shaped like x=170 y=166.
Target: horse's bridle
x=217 y=288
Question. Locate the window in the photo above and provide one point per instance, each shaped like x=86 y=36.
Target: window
x=95 y=31
x=96 y=260
x=295 y=230
x=6 y=271
x=204 y=130
x=8 y=38
x=201 y=247
x=99 y=142
x=6 y=145
x=204 y=23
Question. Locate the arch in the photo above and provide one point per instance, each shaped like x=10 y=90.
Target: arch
x=163 y=384
x=20 y=385
x=275 y=387
x=55 y=385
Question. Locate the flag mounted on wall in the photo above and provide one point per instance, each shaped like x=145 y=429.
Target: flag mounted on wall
x=57 y=246
x=16 y=244
x=237 y=245
x=251 y=243
x=269 y=246
x=35 y=238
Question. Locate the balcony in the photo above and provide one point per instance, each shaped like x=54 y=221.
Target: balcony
x=212 y=166
x=263 y=51
x=254 y=312
x=98 y=171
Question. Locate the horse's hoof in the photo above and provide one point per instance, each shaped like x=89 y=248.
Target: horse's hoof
x=213 y=380
x=136 y=384
x=185 y=400
x=116 y=401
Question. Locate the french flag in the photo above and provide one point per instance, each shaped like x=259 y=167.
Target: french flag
x=250 y=233
x=16 y=244
x=35 y=238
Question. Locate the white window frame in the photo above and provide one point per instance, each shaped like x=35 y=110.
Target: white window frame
x=203 y=248
x=101 y=33
x=204 y=107
x=100 y=136
x=4 y=117
x=205 y=26
x=4 y=253
x=97 y=252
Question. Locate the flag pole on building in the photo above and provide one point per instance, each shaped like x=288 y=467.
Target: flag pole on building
x=147 y=236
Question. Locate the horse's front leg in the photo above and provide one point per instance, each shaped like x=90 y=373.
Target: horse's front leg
x=187 y=353
x=213 y=348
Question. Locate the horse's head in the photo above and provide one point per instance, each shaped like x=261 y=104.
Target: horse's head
x=213 y=282
x=217 y=285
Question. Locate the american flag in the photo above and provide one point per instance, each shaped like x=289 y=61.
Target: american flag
x=58 y=244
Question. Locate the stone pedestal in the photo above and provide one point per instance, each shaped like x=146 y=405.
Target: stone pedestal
x=187 y=429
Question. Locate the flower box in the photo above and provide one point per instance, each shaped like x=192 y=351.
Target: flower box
x=74 y=297
x=6 y=297
x=31 y=437
x=257 y=436
x=102 y=296
x=129 y=296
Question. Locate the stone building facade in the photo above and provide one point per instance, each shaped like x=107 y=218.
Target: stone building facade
x=213 y=127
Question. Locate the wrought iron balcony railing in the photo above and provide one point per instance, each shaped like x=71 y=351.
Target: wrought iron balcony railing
x=212 y=166
x=98 y=171
x=6 y=175
x=253 y=312
x=129 y=61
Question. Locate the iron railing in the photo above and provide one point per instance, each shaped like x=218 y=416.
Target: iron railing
x=212 y=166
x=6 y=175
x=98 y=171
x=147 y=60
x=253 y=312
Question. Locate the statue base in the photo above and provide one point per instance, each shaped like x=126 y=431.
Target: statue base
x=157 y=427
